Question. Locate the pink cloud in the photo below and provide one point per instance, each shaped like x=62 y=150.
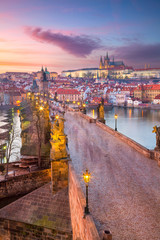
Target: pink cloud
x=79 y=46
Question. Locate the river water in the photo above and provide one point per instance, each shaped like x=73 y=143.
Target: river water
x=16 y=146
x=136 y=124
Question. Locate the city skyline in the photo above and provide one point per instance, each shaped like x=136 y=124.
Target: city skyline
x=69 y=35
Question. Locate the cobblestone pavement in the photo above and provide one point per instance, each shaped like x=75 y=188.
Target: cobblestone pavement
x=124 y=192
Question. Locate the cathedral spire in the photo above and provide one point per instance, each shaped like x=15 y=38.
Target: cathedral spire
x=42 y=69
x=107 y=58
x=101 y=63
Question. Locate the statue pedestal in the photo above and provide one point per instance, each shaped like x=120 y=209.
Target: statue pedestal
x=59 y=174
x=157 y=149
x=101 y=120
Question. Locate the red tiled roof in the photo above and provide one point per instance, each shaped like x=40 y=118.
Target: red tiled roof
x=157 y=97
x=67 y=91
x=149 y=87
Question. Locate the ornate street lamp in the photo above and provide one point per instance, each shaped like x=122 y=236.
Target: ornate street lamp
x=115 y=116
x=86 y=177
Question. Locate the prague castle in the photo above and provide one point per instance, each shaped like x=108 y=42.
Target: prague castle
x=107 y=68
x=107 y=64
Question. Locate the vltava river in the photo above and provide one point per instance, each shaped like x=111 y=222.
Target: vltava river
x=134 y=123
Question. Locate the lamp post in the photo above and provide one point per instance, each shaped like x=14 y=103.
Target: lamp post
x=40 y=108
x=115 y=116
x=56 y=117
x=86 y=177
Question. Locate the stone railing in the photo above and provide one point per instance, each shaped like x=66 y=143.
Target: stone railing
x=22 y=184
x=20 y=230
x=83 y=227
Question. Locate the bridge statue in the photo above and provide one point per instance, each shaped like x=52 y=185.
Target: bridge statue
x=100 y=111
x=157 y=131
x=58 y=139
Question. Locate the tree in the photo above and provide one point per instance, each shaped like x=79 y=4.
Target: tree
x=11 y=145
x=42 y=123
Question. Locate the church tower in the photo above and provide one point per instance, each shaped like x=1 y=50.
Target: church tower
x=106 y=61
x=101 y=66
x=43 y=82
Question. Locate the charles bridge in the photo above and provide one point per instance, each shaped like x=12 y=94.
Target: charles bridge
x=124 y=196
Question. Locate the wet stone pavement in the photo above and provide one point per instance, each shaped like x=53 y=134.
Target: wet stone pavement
x=124 y=192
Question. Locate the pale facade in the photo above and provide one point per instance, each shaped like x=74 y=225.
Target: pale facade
x=87 y=72
x=148 y=92
x=120 y=98
x=145 y=73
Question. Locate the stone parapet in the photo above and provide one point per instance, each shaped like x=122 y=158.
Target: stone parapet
x=23 y=184
x=17 y=230
x=155 y=155
x=83 y=228
x=138 y=147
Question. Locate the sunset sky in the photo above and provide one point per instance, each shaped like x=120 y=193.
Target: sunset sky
x=71 y=34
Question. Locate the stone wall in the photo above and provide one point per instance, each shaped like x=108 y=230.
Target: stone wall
x=23 y=184
x=18 y=231
x=138 y=147
x=83 y=227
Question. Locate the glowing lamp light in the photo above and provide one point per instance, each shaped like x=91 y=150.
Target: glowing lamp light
x=84 y=105
x=74 y=102
x=86 y=176
x=56 y=116
x=40 y=108
x=4 y=147
x=67 y=100
x=78 y=103
x=115 y=116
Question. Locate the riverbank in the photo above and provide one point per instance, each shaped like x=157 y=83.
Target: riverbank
x=140 y=106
